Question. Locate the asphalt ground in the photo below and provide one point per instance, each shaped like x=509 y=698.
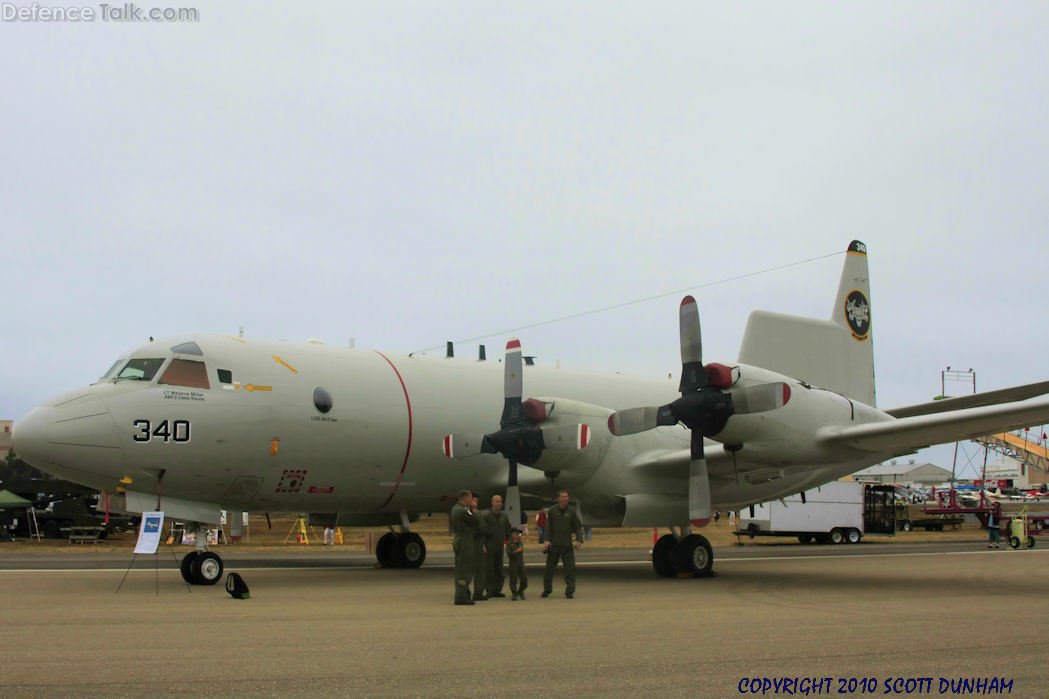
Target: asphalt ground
x=888 y=612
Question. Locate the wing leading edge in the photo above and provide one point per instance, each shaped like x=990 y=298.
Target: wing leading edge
x=906 y=434
x=1004 y=395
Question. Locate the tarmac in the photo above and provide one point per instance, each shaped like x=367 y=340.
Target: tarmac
x=335 y=625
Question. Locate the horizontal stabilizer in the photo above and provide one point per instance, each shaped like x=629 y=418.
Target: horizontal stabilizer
x=1004 y=395
x=907 y=434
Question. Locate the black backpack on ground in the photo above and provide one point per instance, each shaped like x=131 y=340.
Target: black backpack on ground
x=236 y=586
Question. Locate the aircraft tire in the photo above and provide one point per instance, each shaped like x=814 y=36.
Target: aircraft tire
x=837 y=536
x=853 y=536
x=661 y=556
x=410 y=551
x=206 y=568
x=693 y=555
x=385 y=550
x=186 y=567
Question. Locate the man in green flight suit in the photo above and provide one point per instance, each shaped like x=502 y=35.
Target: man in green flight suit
x=498 y=534
x=480 y=562
x=562 y=521
x=464 y=530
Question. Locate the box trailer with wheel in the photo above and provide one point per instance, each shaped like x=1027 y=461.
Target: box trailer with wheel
x=838 y=512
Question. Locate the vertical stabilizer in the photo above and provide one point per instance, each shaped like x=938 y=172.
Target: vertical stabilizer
x=852 y=309
x=837 y=354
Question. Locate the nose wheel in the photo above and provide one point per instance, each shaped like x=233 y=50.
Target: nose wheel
x=201 y=568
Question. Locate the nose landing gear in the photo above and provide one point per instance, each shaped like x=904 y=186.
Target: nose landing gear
x=201 y=567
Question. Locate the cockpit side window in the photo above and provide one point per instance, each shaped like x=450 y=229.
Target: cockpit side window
x=141 y=369
x=185 y=372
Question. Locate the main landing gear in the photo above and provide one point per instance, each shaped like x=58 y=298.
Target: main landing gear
x=201 y=567
x=400 y=550
x=688 y=555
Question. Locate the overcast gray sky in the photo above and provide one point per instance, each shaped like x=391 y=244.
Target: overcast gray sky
x=410 y=172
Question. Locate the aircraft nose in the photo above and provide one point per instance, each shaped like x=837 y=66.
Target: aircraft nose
x=78 y=435
x=29 y=436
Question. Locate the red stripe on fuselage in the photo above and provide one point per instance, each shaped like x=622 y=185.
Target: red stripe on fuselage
x=408 y=450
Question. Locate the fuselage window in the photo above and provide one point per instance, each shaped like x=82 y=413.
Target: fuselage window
x=141 y=369
x=322 y=399
x=225 y=376
x=185 y=372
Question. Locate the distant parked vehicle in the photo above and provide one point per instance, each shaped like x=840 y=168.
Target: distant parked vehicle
x=836 y=513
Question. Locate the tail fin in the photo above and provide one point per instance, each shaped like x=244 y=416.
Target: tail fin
x=837 y=354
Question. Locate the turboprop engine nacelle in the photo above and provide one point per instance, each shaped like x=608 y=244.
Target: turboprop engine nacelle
x=789 y=435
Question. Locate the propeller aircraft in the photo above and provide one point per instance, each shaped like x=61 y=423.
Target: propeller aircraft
x=195 y=424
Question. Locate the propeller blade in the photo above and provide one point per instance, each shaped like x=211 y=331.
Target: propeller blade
x=513 y=506
x=699 y=508
x=513 y=411
x=634 y=420
x=693 y=375
x=691 y=338
x=566 y=437
x=461 y=446
x=758 y=399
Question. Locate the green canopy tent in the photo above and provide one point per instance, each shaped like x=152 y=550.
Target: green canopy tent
x=10 y=501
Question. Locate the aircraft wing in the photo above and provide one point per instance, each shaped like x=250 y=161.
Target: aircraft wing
x=1004 y=395
x=910 y=433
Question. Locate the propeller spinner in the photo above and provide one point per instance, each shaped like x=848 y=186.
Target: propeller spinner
x=519 y=439
x=703 y=407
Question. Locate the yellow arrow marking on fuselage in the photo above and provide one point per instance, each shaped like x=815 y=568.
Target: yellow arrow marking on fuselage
x=252 y=387
x=288 y=366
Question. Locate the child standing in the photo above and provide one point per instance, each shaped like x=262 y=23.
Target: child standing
x=515 y=557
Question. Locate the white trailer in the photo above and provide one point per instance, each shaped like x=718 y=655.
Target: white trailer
x=838 y=512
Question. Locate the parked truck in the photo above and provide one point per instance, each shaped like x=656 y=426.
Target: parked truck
x=838 y=512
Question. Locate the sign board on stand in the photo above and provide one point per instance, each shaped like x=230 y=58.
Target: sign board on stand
x=149 y=533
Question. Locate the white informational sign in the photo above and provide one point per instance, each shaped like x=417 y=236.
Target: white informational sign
x=149 y=532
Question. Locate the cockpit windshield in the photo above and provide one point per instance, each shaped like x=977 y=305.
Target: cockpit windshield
x=141 y=369
x=113 y=369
